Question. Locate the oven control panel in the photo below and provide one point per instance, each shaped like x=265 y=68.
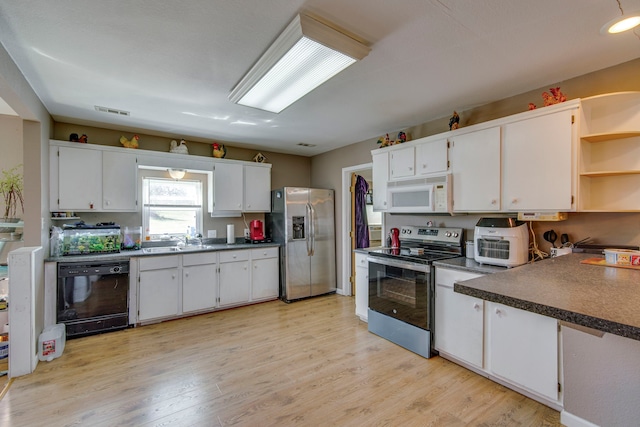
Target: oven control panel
x=432 y=234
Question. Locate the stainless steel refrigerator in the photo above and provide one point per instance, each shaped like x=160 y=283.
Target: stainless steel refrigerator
x=302 y=221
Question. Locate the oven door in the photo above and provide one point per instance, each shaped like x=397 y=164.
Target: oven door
x=401 y=290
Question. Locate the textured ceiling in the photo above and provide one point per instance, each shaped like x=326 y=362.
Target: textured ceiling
x=172 y=64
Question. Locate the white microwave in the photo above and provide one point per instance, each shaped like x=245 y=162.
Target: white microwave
x=425 y=195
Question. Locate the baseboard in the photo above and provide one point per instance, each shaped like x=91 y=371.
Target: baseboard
x=569 y=420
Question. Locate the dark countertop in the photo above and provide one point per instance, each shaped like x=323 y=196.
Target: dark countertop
x=598 y=297
x=125 y=255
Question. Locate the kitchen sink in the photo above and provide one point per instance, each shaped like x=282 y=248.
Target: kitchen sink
x=171 y=249
x=161 y=250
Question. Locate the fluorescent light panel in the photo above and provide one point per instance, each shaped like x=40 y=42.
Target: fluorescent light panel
x=304 y=56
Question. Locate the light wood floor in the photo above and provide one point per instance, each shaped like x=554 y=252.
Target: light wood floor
x=309 y=363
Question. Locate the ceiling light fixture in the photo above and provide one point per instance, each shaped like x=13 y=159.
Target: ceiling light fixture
x=622 y=23
x=305 y=55
x=177 y=174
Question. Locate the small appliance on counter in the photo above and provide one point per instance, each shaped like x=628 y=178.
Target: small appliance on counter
x=395 y=238
x=501 y=241
x=256 y=232
x=85 y=239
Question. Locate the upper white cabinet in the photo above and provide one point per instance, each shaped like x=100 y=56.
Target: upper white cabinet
x=239 y=188
x=228 y=186
x=432 y=157
x=537 y=162
x=609 y=172
x=475 y=168
x=380 y=176
x=79 y=178
x=119 y=181
x=86 y=179
x=402 y=163
x=257 y=188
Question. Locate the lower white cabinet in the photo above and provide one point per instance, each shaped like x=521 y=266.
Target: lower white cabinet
x=523 y=348
x=515 y=347
x=459 y=319
x=173 y=285
x=199 y=281
x=265 y=279
x=234 y=278
x=159 y=287
x=362 y=286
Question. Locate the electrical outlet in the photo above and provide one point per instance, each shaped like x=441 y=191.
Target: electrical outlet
x=212 y=234
x=246 y=233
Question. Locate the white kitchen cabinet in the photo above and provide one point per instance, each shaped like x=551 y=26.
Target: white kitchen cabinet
x=537 y=159
x=523 y=348
x=158 y=287
x=119 y=181
x=199 y=281
x=362 y=286
x=609 y=173
x=79 y=178
x=257 y=188
x=432 y=157
x=88 y=179
x=475 y=168
x=402 y=163
x=228 y=187
x=459 y=319
x=380 y=175
x=265 y=280
x=234 y=278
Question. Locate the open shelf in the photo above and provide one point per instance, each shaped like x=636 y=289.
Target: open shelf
x=601 y=137
x=596 y=174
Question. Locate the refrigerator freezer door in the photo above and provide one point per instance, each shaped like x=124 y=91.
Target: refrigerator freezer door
x=298 y=262
x=323 y=263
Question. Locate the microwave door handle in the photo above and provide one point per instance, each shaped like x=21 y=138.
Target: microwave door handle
x=307 y=225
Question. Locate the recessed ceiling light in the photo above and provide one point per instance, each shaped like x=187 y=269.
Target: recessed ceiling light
x=622 y=23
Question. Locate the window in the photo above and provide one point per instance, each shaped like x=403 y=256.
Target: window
x=171 y=208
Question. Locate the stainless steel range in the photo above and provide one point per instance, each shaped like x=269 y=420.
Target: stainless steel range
x=401 y=285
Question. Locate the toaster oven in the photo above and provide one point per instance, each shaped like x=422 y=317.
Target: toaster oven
x=501 y=241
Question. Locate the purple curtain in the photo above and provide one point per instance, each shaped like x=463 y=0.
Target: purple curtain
x=361 y=225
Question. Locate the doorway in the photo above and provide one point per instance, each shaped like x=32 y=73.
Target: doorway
x=347 y=233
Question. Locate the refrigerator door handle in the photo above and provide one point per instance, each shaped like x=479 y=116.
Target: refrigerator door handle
x=308 y=231
x=312 y=222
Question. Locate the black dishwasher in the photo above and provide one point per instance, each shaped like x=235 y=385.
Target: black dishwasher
x=93 y=297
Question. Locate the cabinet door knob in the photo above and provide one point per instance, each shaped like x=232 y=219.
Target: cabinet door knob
x=173 y=276
x=514 y=201
x=494 y=201
x=499 y=312
x=476 y=306
x=186 y=274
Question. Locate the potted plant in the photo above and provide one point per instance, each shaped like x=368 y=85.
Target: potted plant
x=11 y=186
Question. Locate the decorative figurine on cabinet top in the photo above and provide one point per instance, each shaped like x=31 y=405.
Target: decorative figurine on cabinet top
x=179 y=148
x=259 y=158
x=556 y=97
x=75 y=138
x=454 y=121
x=219 y=151
x=133 y=143
x=384 y=141
x=402 y=137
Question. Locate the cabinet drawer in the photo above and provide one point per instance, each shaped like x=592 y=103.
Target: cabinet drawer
x=232 y=256
x=199 y=258
x=158 y=262
x=264 y=253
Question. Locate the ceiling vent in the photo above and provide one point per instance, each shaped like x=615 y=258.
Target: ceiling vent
x=112 y=111
x=302 y=144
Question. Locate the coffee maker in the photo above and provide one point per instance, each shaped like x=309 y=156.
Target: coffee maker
x=256 y=231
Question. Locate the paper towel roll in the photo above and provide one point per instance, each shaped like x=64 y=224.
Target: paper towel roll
x=231 y=234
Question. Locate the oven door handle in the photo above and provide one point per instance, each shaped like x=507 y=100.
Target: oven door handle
x=400 y=264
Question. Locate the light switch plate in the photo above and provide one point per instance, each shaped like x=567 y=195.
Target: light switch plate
x=212 y=233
